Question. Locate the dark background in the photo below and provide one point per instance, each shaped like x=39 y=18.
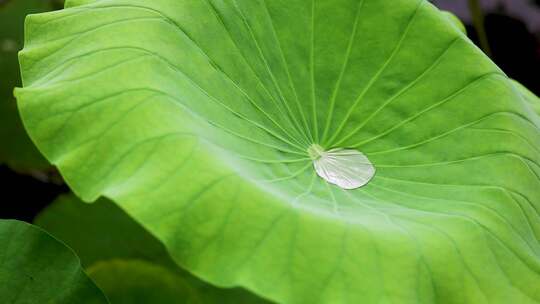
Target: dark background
x=513 y=33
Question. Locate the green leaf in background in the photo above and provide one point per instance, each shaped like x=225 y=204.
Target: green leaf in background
x=16 y=149
x=196 y=117
x=100 y=231
x=129 y=282
x=36 y=268
x=137 y=281
x=126 y=262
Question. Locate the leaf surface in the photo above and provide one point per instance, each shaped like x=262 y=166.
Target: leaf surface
x=533 y=100
x=36 y=268
x=196 y=117
x=146 y=283
x=125 y=261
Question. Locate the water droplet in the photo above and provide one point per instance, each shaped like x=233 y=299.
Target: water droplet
x=345 y=168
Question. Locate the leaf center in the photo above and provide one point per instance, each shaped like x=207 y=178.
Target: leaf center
x=315 y=151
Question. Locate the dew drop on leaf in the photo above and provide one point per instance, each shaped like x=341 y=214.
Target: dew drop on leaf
x=346 y=168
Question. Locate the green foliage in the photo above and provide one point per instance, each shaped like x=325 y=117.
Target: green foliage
x=124 y=260
x=196 y=118
x=129 y=282
x=100 y=231
x=16 y=149
x=36 y=268
x=529 y=97
x=455 y=20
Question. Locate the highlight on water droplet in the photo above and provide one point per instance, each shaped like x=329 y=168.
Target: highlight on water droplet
x=346 y=168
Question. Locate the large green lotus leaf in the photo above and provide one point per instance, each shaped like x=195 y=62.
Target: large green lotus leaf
x=455 y=20
x=126 y=262
x=16 y=149
x=37 y=268
x=198 y=118
x=529 y=96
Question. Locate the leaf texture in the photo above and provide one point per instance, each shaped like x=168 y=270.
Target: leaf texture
x=126 y=262
x=37 y=268
x=196 y=118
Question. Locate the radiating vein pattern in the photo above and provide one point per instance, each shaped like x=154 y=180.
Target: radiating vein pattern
x=197 y=118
